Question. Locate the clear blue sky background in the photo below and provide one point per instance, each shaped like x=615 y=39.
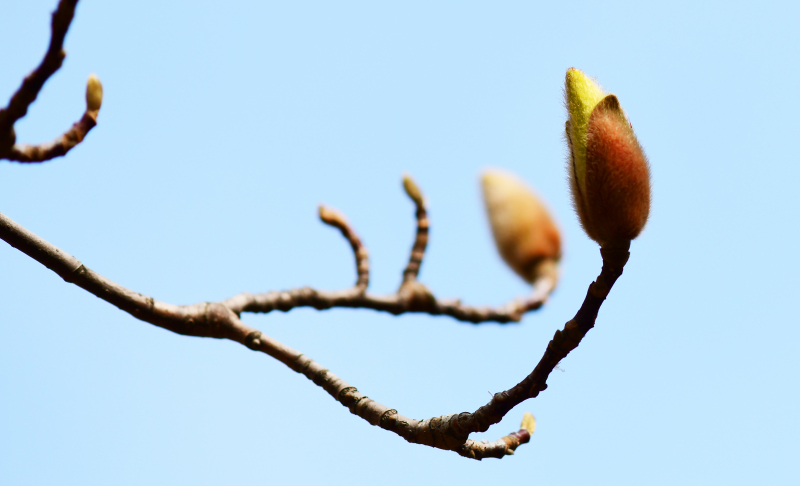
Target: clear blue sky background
x=224 y=124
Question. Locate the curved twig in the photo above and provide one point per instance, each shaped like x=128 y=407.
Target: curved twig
x=220 y=320
x=336 y=219
x=29 y=90
x=412 y=296
x=59 y=146
x=421 y=238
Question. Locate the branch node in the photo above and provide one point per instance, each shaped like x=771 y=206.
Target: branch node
x=416 y=296
x=253 y=340
x=388 y=419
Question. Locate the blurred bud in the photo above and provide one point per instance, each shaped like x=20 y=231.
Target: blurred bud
x=609 y=175
x=524 y=233
x=528 y=422
x=412 y=190
x=331 y=216
x=94 y=93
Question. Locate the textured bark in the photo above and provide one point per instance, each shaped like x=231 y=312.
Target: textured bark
x=221 y=320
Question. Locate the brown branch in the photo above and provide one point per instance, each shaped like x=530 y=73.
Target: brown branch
x=421 y=239
x=336 y=219
x=56 y=148
x=29 y=90
x=412 y=295
x=220 y=320
x=394 y=304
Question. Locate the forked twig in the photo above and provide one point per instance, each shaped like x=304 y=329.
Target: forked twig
x=221 y=320
x=412 y=296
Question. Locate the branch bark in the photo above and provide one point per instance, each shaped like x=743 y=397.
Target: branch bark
x=221 y=320
x=28 y=92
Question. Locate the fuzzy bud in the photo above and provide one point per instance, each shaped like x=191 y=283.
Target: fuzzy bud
x=412 y=190
x=609 y=174
x=528 y=422
x=525 y=234
x=94 y=94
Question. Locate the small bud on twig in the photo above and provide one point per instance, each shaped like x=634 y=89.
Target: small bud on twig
x=412 y=190
x=609 y=175
x=528 y=422
x=525 y=234
x=94 y=93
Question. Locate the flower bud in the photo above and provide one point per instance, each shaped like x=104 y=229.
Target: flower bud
x=94 y=94
x=412 y=190
x=525 y=234
x=608 y=172
x=528 y=422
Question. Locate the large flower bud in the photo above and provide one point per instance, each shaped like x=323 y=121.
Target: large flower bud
x=523 y=230
x=609 y=175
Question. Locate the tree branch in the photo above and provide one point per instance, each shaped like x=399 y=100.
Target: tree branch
x=421 y=239
x=220 y=320
x=56 y=148
x=412 y=296
x=29 y=90
x=336 y=219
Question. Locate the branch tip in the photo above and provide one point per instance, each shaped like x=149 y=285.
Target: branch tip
x=94 y=94
x=334 y=218
x=412 y=190
x=528 y=423
x=421 y=239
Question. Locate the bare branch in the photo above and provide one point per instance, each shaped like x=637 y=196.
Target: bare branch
x=412 y=295
x=220 y=320
x=394 y=304
x=56 y=148
x=29 y=90
x=421 y=239
x=336 y=219
x=451 y=432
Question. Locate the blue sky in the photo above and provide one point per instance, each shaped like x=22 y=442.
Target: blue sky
x=224 y=126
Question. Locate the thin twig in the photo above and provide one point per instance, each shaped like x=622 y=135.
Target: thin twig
x=412 y=295
x=29 y=90
x=220 y=320
x=56 y=148
x=421 y=238
x=396 y=304
x=336 y=219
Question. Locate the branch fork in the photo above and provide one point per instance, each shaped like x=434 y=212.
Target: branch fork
x=222 y=320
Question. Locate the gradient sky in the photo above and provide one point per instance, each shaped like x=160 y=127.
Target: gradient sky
x=225 y=124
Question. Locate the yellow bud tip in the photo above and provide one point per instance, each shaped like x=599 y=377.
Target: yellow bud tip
x=94 y=93
x=582 y=94
x=412 y=189
x=528 y=423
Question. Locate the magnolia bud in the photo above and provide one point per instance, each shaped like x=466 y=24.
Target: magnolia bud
x=525 y=234
x=608 y=172
x=94 y=94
